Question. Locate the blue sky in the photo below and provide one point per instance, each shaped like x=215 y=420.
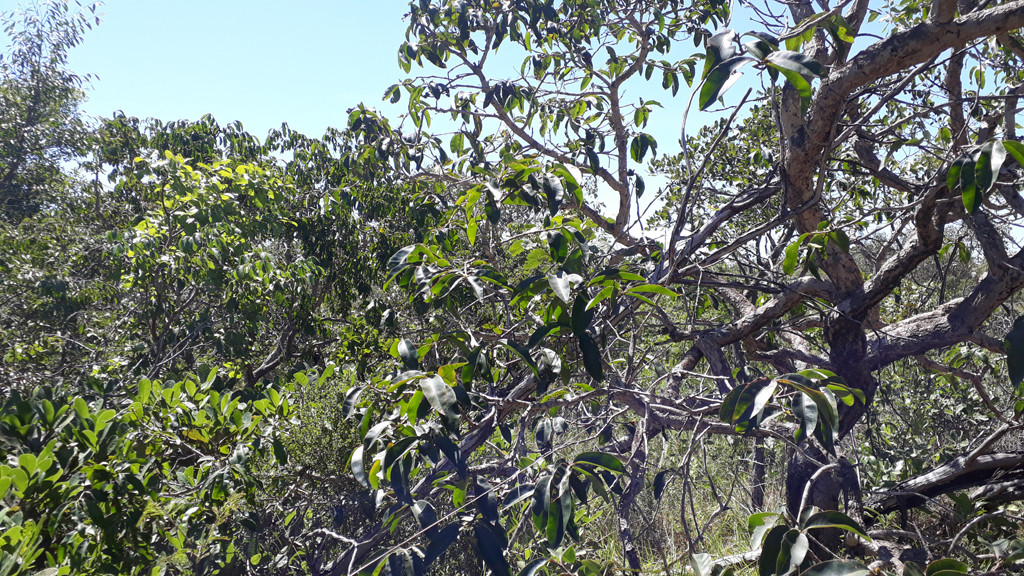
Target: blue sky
x=303 y=62
x=261 y=62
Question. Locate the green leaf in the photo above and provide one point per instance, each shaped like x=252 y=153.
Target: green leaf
x=790 y=261
x=634 y=150
x=491 y=549
x=721 y=47
x=721 y=78
x=82 y=409
x=280 y=454
x=408 y=354
x=440 y=542
x=761 y=398
x=400 y=258
x=348 y=407
x=834 y=519
x=660 y=480
x=549 y=367
x=601 y=460
x=795 y=62
x=841 y=239
x=990 y=161
x=591 y=357
x=554 y=192
x=440 y=395
x=961 y=179
x=652 y=289
x=517 y=495
x=555 y=529
x=523 y=353
x=424 y=514
x=1013 y=344
x=145 y=386
x=797 y=81
x=946 y=565
x=560 y=286
x=759 y=524
x=582 y=316
x=791 y=552
x=806 y=412
x=1015 y=149
x=400 y=564
x=701 y=564
x=532 y=568
x=955 y=169
x=837 y=568
x=771 y=551
x=594 y=160
x=738 y=406
x=358 y=469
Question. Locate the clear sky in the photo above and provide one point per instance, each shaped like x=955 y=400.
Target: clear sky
x=264 y=62
x=261 y=62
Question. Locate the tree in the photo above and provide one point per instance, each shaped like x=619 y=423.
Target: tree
x=40 y=125
x=802 y=272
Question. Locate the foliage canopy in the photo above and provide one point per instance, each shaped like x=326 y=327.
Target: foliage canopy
x=424 y=345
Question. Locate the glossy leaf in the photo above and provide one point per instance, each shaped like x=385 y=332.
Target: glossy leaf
x=701 y=564
x=554 y=191
x=440 y=542
x=534 y=567
x=1016 y=150
x=560 y=286
x=1013 y=345
x=946 y=565
x=440 y=395
x=720 y=79
x=758 y=525
x=591 y=357
x=837 y=568
x=660 y=480
x=601 y=460
x=358 y=470
x=806 y=412
x=834 y=519
x=408 y=354
x=771 y=551
x=348 y=407
x=792 y=551
x=491 y=549
x=990 y=161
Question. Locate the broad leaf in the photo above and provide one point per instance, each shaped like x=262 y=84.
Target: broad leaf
x=491 y=548
x=990 y=161
x=837 y=568
x=1015 y=149
x=1013 y=344
x=758 y=525
x=560 y=286
x=771 y=551
x=721 y=78
x=591 y=357
x=660 y=480
x=440 y=395
x=532 y=568
x=834 y=519
x=408 y=354
x=601 y=460
x=946 y=565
